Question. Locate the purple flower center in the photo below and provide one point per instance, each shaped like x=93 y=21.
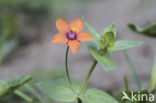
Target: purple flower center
x=71 y=35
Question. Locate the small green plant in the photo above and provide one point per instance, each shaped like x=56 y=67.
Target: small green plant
x=101 y=47
x=24 y=87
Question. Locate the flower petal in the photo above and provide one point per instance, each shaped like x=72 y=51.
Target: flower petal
x=74 y=46
x=59 y=39
x=84 y=36
x=62 y=25
x=77 y=24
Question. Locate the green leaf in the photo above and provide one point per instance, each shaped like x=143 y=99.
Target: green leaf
x=149 y=31
x=105 y=62
x=19 y=82
x=108 y=55
x=124 y=44
x=111 y=28
x=152 y=84
x=3 y=88
x=6 y=49
x=95 y=35
x=13 y=85
x=60 y=90
x=107 y=40
x=97 y=96
x=93 y=44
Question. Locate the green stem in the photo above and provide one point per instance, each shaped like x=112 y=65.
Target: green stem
x=33 y=92
x=23 y=96
x=85 y=83
x=66 y=63
x=132 y=68
x=126 y=83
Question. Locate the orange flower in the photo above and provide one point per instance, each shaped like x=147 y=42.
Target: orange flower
x=71 y=34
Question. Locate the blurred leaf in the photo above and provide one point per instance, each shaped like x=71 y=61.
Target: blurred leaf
x=9 y=3
x=108 y=40
x=19 y=82
x=95 y=35
x=152 y=84
x=149 y=31
x=13 y=85
x=6 y=49
x=39 y=75
x=132 y=69
x=60 y=90
x=28 y=89
x=1 y=54
x=8 y=28
x=105 y=62
x=3 y=88
x=108 y=55
x=97 y=96
x=111 y=28
x=124 y=44
x=8 y=35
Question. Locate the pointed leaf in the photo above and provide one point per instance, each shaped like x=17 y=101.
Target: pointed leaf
x=105 y=62
x=13 y=85
x=95 y=35
x=97 y=96
x=60 y=90
x=111 y=28
x=93 y=44
x=19 y=82
x=124 y=44
x=149 y=31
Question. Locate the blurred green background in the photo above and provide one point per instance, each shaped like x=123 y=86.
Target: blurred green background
x=27 y=26
x=16 y=15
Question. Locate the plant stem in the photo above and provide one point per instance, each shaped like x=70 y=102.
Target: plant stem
x=66 y=63
x=23 y=96
x=33 y=92
x=126 y=83
x=132 y=68
x=85 y=83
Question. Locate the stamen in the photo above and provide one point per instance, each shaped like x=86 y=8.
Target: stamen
x=75 y=30
x=71 y=35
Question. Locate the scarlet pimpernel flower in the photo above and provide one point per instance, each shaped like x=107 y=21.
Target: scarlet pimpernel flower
x=71 y=34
